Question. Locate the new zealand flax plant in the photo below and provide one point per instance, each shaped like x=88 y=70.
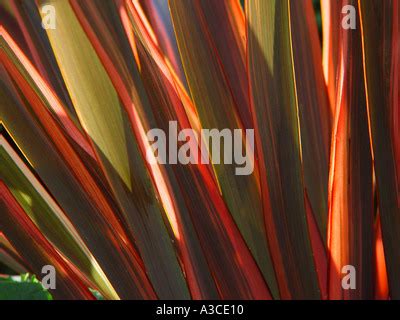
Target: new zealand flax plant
x=317 y=218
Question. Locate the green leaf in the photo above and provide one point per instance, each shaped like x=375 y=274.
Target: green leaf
x=24 y=287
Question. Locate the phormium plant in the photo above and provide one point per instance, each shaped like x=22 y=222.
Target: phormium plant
x=84 y=82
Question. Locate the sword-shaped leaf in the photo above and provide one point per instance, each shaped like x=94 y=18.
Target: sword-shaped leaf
x=380 y=23
x=331 y=26
x=49 y=218
x=217 y=109
x=351 y=217
x=107 y=124
x=76 y=191
x=276 y=115
x=37 y=251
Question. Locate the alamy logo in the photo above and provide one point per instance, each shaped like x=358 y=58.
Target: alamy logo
x=224 y=146
x=349 y=278
x=48 y=17
x=349 y=20
x=49 y=278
